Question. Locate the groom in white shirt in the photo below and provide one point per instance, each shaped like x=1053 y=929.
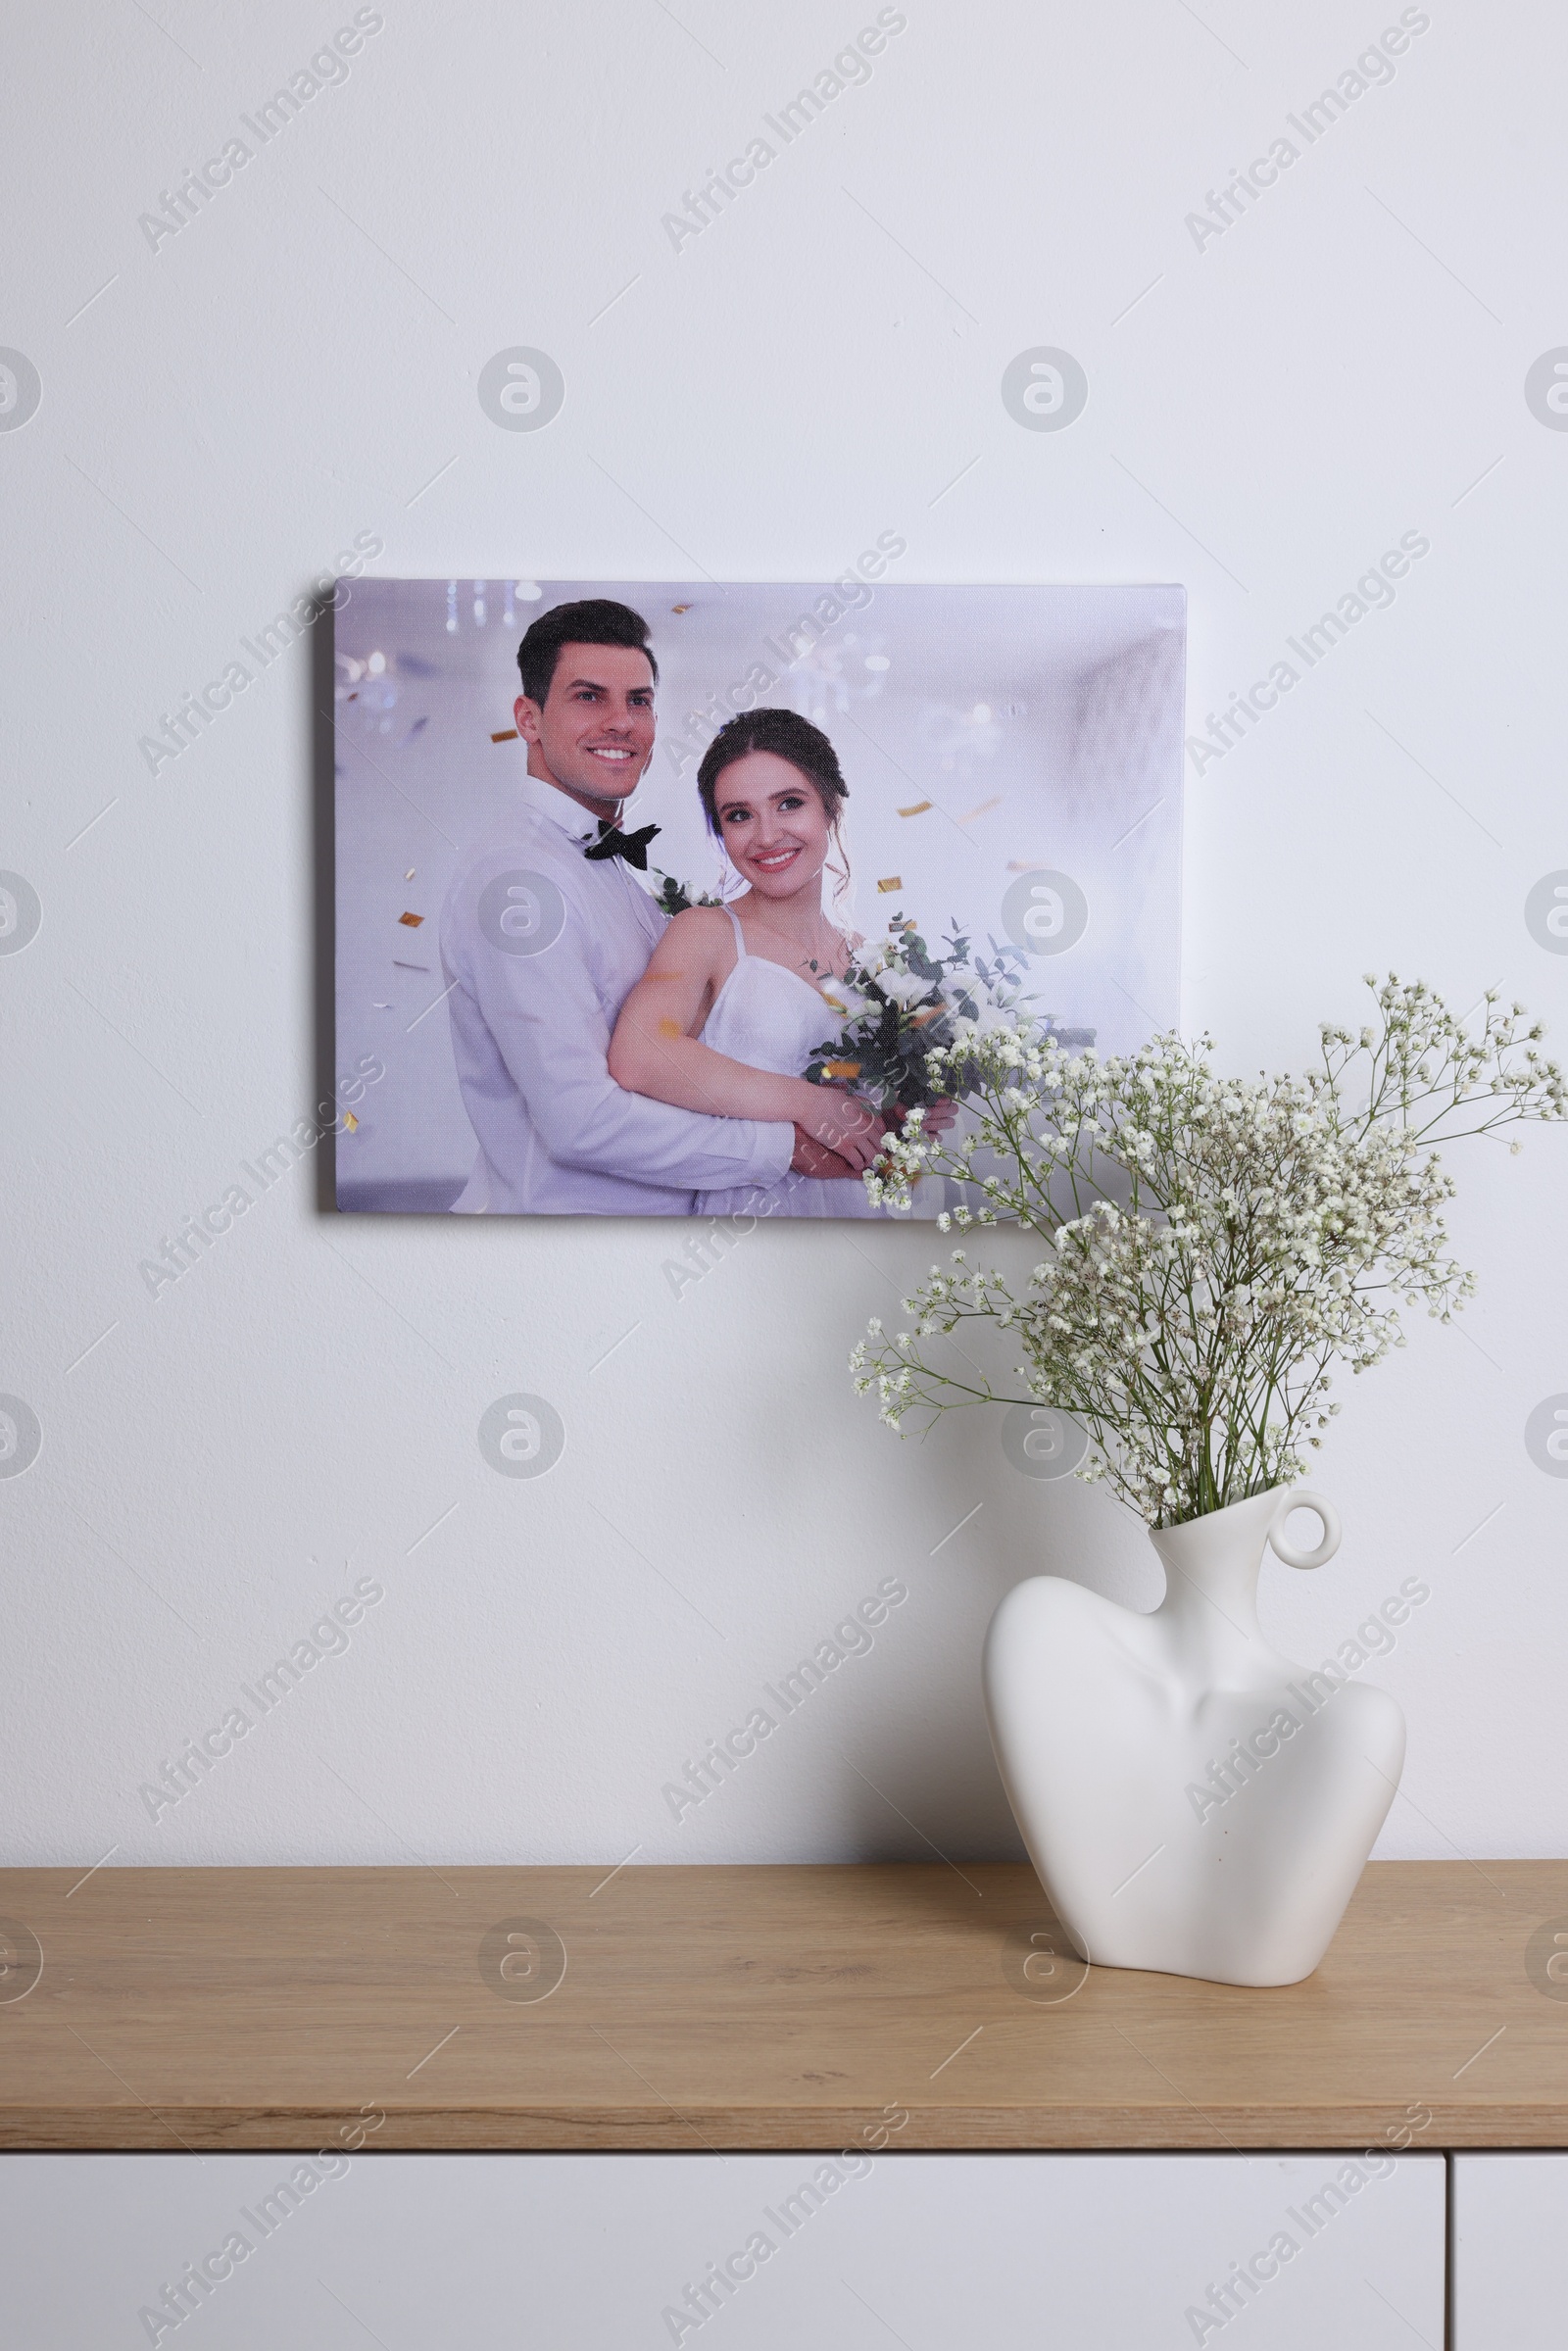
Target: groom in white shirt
x=543 y=932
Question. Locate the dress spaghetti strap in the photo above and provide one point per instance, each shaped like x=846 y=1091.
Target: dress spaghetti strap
x=740 y=935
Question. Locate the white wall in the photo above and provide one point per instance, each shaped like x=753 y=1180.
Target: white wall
x=299 y=362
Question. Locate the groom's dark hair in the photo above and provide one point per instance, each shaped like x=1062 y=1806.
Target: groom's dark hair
x=593 y=621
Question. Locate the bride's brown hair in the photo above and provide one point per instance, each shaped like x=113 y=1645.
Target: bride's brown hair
x=789 y=737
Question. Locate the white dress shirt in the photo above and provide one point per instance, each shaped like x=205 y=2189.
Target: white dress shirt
x=530 y=1031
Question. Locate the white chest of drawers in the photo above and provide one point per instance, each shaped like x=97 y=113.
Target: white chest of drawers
x=763 y=2108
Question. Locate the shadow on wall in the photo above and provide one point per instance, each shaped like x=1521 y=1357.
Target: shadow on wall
x=983 y=1515
x=944 y=1801
x=923 y=1784
x=323 y=923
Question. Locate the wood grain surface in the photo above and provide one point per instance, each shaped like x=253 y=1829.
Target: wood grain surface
x=752 y=2007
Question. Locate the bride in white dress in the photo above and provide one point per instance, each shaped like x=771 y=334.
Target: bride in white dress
x=732 y=1005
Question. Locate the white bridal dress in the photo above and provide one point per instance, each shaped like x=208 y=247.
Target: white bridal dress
x=773 y=1019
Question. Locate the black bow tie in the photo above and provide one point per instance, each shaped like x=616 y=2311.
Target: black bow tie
x=614 y=843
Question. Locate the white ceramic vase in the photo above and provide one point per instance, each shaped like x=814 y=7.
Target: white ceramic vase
x=1194 y=1802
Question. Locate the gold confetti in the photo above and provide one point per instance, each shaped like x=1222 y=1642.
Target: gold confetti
x=894 y=881
x=412 y=920
x=1024 y=865
x=680 y=608
x=919 y=809
x=841 y=1069
x=408 y=876
x=508 y=734
x=351 y=1122
x=984 y=809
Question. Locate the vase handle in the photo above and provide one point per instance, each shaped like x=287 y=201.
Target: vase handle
x=1300 y=1497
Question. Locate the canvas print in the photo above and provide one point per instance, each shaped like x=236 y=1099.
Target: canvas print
x=652 y=898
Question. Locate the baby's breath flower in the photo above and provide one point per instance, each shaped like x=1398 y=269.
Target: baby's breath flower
x=1215 y=1244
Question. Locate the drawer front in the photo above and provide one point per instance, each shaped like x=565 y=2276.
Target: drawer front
x=747 y=2252
x=1510 y=2225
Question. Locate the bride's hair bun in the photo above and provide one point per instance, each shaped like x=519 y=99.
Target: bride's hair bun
x=788 y=736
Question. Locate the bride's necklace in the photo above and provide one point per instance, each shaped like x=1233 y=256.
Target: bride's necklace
x=818 y=963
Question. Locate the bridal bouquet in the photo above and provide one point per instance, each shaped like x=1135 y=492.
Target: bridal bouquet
x=1213 y=1245
x=905 y=1006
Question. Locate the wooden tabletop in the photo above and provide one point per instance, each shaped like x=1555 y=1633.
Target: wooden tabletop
x=751 y=2007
